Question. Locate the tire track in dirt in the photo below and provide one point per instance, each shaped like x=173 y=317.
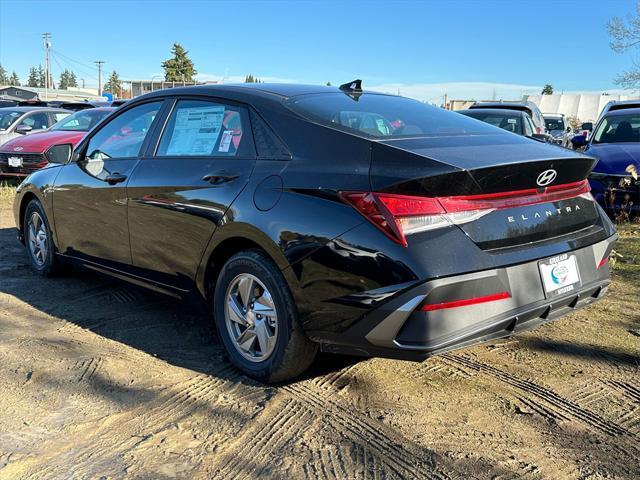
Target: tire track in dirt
x=107 y=442
x=384 y=443
x=559 y=403
x=280 y=422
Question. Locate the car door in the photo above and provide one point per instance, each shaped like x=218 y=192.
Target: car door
x=90 y=198
x=180 y=190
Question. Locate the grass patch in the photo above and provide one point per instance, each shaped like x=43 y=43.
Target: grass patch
x=7 y=192
x=628 y=264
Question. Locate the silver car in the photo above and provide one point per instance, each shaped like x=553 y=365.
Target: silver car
x=16 y=121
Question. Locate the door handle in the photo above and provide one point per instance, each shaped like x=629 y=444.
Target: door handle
x=115 y=177
x=219 y=179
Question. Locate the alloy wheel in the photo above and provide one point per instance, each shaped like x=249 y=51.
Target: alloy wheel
x=251 y=317
x=37 y=239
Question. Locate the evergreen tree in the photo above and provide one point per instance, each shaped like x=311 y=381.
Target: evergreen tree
x=547 y=89
x=179 y=68
x=114 y=84
x=14 y=80
x=251 y=79
x=41 y=76
x=328 y=84
x=67 y=79
x=32 y=80
x=4 y=80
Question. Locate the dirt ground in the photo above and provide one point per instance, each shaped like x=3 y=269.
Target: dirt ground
x=102 y=380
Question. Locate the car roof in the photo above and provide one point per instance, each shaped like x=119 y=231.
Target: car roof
x=553 y=115
x=623 y=104
x=504 y=111
x=29 y=109
x=624 y=111
x=264 y=90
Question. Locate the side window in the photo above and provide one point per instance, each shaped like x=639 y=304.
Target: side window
x=57 y=116
x=198 y=128
x=124 y=135
x=37 y=121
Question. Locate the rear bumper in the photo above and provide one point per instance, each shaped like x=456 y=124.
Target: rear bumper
x=400 y=329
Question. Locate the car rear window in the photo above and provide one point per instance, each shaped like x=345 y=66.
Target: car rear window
x=381 y=116
x=509 y=122
x=554 y=123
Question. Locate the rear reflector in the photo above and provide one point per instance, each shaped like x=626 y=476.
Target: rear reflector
x=467 y=301
x=400 y=215
x=603 y=262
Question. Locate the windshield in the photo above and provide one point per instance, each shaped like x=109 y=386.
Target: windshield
x=618 y=129
x=8 y=118
x=383 y=116
x=511 y=122
x=81 y=121
x=554 y=124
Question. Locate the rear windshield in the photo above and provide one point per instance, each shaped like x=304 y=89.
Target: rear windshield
x=618 y=129
x=384 y=116
x=554 y=123
x=511 y=122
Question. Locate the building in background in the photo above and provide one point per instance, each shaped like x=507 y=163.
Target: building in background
x=584 y=107
x=133 y=88
x=20 y=94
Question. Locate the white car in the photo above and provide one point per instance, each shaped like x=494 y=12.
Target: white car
x=16 y=121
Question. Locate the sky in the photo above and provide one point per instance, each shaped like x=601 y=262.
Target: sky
x=424 y=49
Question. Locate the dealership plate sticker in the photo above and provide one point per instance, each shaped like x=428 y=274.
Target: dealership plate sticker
x=15 y=161
x=560 y=274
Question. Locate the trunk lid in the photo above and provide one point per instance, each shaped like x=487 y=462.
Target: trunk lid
x=478 y=170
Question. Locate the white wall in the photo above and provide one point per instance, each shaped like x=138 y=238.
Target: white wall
x=586 y=107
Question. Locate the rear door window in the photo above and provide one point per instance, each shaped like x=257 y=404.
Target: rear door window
x=199 y=128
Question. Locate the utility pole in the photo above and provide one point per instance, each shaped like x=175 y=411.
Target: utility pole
x=99 y=63
x=46 y=37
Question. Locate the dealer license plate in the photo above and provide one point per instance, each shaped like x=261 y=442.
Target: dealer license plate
x=15 y=161
x=560 y=274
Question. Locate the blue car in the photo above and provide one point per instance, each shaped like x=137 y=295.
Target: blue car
x=615 y=180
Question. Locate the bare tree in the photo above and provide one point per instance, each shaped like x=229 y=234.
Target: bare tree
x=625 y=37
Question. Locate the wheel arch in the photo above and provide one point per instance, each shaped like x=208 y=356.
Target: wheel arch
x=226 y=242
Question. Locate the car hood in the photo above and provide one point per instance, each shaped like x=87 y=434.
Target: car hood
x=39 y=142
x=614 y=158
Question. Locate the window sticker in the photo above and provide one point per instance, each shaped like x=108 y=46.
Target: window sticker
x=511 y=120
x=225 y=142
x=196 y=130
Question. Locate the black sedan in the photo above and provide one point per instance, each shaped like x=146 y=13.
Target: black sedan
x=323 y=218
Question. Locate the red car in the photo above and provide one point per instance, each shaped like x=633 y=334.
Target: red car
x=23 y=155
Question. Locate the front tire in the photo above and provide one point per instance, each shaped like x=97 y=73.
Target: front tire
x=38 y=240
x=256 y=319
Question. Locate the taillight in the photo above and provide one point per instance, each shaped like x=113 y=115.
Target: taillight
x=401 y=215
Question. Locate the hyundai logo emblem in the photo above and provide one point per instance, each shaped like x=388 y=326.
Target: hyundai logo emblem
x=546 y=177
x=18 y=149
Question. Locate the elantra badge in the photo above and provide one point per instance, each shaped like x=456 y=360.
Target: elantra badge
x=18 y=149
x=546 y=177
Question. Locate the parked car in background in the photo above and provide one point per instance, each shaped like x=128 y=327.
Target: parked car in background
x=559 y=129
x=615 y=143
x=614 y=105
x=314 y=217
x=8 y=103
x=529 y=107
x=25 y=154
x=16 y=121
x=514 y=121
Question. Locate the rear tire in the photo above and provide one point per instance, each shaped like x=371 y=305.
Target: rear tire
x=256 y=319
x=39 y=241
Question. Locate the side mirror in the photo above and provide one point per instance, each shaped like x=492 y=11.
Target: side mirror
x=23 y=129
x=568 y=129
x=579 y=141
x=60 y=153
